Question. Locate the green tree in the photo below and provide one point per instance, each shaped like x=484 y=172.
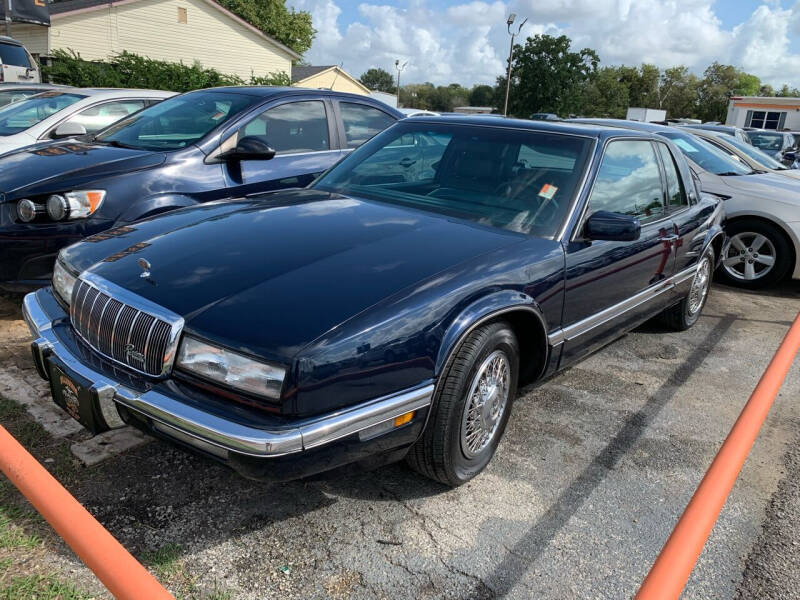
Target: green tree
x=547 y=76
x=482 y=95
x=288 y=26
x=678 y=92
x=605 y=95
x=379 y=80
x=719 y=83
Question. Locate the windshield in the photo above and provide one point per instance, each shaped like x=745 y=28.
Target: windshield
x=10 y=96
x=757 y=155
x=765 y=140
x=705 y=155
x=178 y=122
x=27 y=113
x=518 y=180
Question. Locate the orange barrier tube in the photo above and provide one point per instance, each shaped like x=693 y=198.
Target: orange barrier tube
x=122 y=574
x=673 y=566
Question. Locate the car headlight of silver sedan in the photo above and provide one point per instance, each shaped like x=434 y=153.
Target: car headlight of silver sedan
x=63 y=282
x=230 y=368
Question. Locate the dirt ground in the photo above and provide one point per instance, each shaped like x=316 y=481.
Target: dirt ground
x=595 y=467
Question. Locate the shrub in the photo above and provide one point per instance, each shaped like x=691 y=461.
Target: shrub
x=128 y=70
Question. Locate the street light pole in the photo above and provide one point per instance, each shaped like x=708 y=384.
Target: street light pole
x=399 y=68
x=509 y=23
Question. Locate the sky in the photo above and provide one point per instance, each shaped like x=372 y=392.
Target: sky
x=466 y=42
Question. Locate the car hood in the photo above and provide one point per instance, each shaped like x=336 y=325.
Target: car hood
x=42 y=168
x=269 y=275
x=770 y=186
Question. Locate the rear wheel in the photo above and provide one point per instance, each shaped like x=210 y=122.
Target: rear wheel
x=471 y=408
x=756 y=255
x=685 y=314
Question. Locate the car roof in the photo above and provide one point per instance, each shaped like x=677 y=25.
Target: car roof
x=105 y=93
x=626 y=124
x=570 y=127
x=4 y=39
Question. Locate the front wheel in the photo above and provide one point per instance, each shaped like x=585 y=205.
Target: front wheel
x=685 y=314
x=756 y=255
x=471 y=408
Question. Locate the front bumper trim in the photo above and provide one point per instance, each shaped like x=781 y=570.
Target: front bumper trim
x=191 y=423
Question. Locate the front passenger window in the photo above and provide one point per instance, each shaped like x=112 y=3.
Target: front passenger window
x=629 y=182
x=292 y=128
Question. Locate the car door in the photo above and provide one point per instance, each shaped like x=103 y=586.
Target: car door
x=304 y=139
x=689 y=216
x=611 y=285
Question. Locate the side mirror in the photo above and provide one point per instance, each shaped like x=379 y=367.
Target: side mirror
x=790 y=155
x=614 y=227
x=68 y=130
x=249 y=148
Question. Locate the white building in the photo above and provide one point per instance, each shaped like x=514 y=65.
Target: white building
x=764 y=112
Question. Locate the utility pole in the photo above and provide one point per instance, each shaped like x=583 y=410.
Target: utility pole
x=8 y=17
x=399 y=68
x=509 y=23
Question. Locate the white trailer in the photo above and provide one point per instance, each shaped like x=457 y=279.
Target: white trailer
x=646 y=115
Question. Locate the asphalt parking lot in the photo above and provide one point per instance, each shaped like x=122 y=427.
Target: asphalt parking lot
x=595 y=467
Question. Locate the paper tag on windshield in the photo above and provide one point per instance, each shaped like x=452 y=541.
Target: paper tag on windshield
x=548 y=191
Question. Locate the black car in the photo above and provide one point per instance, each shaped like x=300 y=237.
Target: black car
x=200 y=146
x=386 y=310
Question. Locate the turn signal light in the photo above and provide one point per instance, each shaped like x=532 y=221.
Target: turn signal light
x=403 y=419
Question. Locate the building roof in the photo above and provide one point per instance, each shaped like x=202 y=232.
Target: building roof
x=301 y=72
x=61 y=8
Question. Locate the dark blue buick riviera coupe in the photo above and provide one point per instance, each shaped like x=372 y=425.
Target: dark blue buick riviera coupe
x=196 y=147
x=390 y=309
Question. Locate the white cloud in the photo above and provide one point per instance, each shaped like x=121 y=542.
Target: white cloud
x=468 y=43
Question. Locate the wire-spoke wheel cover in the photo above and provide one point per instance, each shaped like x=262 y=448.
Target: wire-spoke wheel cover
x=486 y=403
x=700 y=285
x=748 y=256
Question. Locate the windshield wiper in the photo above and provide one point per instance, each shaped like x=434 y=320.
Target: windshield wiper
x=727 y=173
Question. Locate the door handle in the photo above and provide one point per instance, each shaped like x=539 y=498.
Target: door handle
x=406 y=162
x=669 y=238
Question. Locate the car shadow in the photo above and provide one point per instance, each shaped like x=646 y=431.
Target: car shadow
x=10 y=306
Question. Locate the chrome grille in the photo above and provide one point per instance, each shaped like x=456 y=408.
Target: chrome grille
x=122 y=328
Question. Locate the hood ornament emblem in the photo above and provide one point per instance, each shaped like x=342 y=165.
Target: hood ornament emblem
x=145 y=266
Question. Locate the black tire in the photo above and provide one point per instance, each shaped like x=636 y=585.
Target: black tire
x=683 y=315
x=783 y=254
x=438 y=454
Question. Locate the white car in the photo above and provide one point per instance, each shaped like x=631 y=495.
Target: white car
x=16 y=63
x=69 y=112
x=762 y=209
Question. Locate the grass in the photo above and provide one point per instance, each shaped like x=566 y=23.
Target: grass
x=39 y=587
x=164 y=560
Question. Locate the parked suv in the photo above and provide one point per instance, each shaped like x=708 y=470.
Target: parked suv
x=17 y=62
x=200 y=146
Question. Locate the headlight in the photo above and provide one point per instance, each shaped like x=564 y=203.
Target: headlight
x=27 y=210
x=63 y=282
x=75 y=205
x=230 y=368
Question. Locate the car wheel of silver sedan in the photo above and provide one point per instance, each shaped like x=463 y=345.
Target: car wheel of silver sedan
x=471 y=407
x=755 y=255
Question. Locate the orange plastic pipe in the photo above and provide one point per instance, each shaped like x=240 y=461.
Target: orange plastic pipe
x=122 y=574
x=674 y=564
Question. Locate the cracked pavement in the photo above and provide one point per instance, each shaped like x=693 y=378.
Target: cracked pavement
x=596 y=466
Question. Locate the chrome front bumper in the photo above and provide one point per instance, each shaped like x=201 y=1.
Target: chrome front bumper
x=203 y=430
